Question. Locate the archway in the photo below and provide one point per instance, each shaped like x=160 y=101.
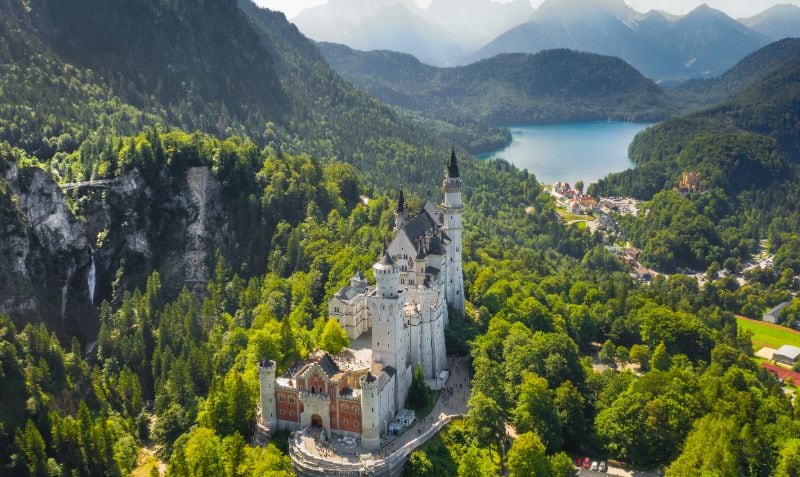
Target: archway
x=316 y=421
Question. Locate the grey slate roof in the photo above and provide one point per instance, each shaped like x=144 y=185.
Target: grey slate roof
x=386 y=260
x=348 y=292
x=417 y=227
x=329 y=365
x=791 y=352
x=452 y=166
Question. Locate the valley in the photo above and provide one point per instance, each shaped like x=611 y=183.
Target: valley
x=235 y=244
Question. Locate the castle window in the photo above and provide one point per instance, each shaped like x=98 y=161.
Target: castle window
x=291 y=413
x=281 y=398
x=345 y=422
x=355 y=410
x=280 y=411
x=313 y=390
x=291 y=400
x=355 y=423
x=344 y=407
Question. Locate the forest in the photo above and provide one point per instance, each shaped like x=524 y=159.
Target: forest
x=168 y=373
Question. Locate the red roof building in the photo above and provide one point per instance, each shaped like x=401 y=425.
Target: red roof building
x=781 y=373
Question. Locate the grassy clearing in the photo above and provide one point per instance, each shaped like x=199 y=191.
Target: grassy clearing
x=146 y=464
x=765 y=334
x=569 y=217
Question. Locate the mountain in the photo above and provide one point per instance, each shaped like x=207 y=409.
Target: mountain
x=777 y=22
x=380 y=25
x=438 y=34
x=554 y=85
x=98 y=92
x=708 y=42
x=703 y=43
x=475 y=22
x=757 y=123
x=752 y=67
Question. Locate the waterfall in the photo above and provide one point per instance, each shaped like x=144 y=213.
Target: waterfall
x=65 y=289
x=92 y=277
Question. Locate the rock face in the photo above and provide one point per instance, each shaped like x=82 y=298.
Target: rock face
x=50 y=259
x=45 y=254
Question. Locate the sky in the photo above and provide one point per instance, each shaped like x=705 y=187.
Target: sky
x=734 y=8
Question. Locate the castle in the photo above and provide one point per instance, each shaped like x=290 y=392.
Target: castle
x=400 y=321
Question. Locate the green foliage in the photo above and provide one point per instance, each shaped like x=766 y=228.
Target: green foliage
x=710 y=450
x=419 y=395
x=418 y=465
x=333 y=337
x=789 y=459
x=476 y=463
x=527 y=457
x=535 y=411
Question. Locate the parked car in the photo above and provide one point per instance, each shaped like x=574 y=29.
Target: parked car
x=586 y=463
x=603 y=466
x=595 y=466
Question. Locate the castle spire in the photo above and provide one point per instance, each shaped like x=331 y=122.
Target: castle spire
x=401 y=202
x=452 y=166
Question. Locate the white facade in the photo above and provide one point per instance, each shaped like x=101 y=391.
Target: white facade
x=417 y=277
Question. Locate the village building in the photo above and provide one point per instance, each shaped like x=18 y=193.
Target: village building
x=786 y=354
x=773 y=315
x=362 y=392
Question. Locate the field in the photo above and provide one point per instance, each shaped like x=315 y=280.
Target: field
x=569 y=217
x=767 y=334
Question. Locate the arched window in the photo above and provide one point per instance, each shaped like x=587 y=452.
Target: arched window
x=281 y=398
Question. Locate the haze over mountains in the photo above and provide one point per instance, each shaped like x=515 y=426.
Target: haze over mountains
x=703 y=43
x=442 y=33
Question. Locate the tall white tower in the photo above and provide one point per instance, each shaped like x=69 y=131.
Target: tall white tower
x=389 y=339
x=370 y=413
x=266 y=375
x=452 y=210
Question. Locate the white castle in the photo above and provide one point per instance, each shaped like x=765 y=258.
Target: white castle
x=400 y=320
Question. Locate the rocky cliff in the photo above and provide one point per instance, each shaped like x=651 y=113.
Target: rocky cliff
x=58 y=268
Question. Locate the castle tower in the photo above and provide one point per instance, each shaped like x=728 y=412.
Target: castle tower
x=266 y=377
x=452 y=210
x=389 y=337
x=370 y=413
x=400 y=212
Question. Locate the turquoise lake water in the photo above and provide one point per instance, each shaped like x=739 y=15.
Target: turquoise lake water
x=569 y=152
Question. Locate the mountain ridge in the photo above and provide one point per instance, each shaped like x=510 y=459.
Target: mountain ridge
x=551 y=86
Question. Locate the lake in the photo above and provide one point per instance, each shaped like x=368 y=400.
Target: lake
x=569 y=152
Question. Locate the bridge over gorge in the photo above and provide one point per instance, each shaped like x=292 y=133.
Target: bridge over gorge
x=100 y=183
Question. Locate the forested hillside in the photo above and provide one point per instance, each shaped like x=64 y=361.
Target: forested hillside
x=155 y=246
x=551 y=86
x=746 y=148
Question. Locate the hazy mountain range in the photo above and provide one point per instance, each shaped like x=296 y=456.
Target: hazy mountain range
x=703 y=43
x=442 y=33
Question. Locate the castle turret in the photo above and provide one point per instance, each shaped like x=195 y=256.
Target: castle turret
x=390 y=341
x=370 y=413
x=400 y=211
x=452 y=210
x=266 y=376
